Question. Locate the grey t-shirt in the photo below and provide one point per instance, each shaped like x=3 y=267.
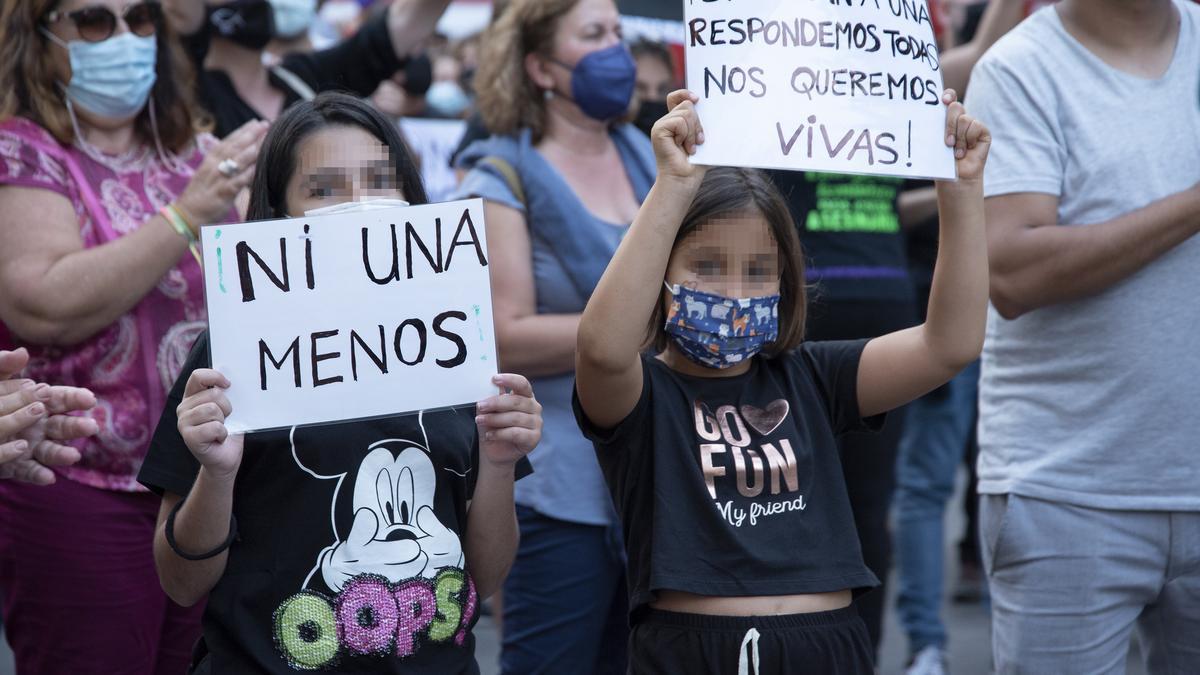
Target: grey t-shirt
x=1094 y=402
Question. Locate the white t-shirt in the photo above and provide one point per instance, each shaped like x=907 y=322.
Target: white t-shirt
x=1094 y=402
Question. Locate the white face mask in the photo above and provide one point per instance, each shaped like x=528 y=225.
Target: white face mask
x=365 y=204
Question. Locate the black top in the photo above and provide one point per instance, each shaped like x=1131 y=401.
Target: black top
x=850 y=228
x=732 y=486
x=358 y=65
x=349 y=555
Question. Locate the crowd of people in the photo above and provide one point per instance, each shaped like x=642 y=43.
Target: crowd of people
x=726 y=396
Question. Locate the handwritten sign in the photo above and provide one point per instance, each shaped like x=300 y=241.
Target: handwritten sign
x=349 y=316
x=849 y=86
x=433 y=142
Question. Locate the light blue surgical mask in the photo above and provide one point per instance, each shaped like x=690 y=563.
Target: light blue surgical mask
x=293 y=17
x=111 y=78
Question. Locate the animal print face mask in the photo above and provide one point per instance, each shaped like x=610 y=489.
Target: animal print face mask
x=720 y=332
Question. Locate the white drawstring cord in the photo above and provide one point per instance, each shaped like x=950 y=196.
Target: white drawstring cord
x=744 y=666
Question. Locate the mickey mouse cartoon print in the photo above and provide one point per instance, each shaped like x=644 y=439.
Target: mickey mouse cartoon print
x=395 y=533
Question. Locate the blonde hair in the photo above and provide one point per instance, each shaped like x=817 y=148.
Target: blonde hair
x=508 y=100
x=28 y=85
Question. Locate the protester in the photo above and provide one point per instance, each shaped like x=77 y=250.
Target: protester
x=562 y=178
x=426 y=497
x=227 y=38
x=725 y=574
x=1090 y=515
x=104 y=183
x=35 y=425
x=655 y=80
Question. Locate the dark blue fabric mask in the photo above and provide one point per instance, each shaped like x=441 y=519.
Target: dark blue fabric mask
x=720 y=332
x=602 y=82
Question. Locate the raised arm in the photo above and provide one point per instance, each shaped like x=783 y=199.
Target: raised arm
x=612 y=330
x=411 y=22
x=901 y=366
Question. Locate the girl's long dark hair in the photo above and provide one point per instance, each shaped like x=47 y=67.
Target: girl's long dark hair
x=277 y=158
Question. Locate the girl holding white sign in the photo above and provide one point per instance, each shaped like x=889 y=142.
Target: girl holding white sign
x=357 y=547
x=720 y=451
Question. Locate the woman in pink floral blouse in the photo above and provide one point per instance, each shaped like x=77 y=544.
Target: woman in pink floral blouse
x=105 y=178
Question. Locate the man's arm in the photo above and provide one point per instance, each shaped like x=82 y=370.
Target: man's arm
x=1036 y=263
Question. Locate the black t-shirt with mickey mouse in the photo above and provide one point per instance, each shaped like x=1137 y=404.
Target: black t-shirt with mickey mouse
x=732 y=486
x=349 y=555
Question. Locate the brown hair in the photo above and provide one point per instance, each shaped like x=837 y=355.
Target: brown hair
x=507 y=99
x=727 y=192
x=28 y=86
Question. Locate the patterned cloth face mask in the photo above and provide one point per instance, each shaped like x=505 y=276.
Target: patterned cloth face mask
x=720 y=332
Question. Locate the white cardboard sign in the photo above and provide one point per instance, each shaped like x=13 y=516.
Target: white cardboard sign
x=348 y=316
x=848 y=86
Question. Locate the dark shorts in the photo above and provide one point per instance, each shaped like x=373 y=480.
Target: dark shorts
x=820 y=643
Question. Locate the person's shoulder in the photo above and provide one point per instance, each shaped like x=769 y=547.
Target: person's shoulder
x=1027 y=44
x=25 y=130
x=506 y=147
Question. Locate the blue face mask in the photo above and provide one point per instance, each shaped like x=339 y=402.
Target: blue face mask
x=720 y=332
x=602 y=82
x=111 y=78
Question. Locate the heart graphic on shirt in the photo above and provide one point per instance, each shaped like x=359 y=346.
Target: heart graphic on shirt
x=766 y=421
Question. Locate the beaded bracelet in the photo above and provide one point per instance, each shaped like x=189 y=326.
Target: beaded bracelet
x=169 y=531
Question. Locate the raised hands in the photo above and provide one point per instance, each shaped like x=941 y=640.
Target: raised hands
x=35 y=423
x=968 y=136
x=510 y=424
x=675 y=138
x=226 y=171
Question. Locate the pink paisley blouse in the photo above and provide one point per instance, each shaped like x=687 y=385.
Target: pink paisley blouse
x=131 y=364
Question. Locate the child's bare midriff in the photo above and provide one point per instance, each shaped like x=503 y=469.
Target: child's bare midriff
x=757 y=605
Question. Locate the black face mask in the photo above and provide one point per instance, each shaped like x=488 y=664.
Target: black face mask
x=418 y=75
x=648 y=113
x=249 y=23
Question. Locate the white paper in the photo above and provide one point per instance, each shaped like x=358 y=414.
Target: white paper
x=433 y=141
x=847 y=86
x=253 y=323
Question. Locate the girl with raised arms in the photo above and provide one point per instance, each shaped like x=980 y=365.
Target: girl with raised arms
x=718 y=443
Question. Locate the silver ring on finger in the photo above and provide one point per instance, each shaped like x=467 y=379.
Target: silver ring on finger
x=228 y=168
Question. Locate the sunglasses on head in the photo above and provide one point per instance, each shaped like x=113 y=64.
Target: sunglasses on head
x=98 y=23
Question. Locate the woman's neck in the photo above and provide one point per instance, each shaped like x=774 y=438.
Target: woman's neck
x=567 y=126
x=676 y=361
x=109 y=139
x=244 y=66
